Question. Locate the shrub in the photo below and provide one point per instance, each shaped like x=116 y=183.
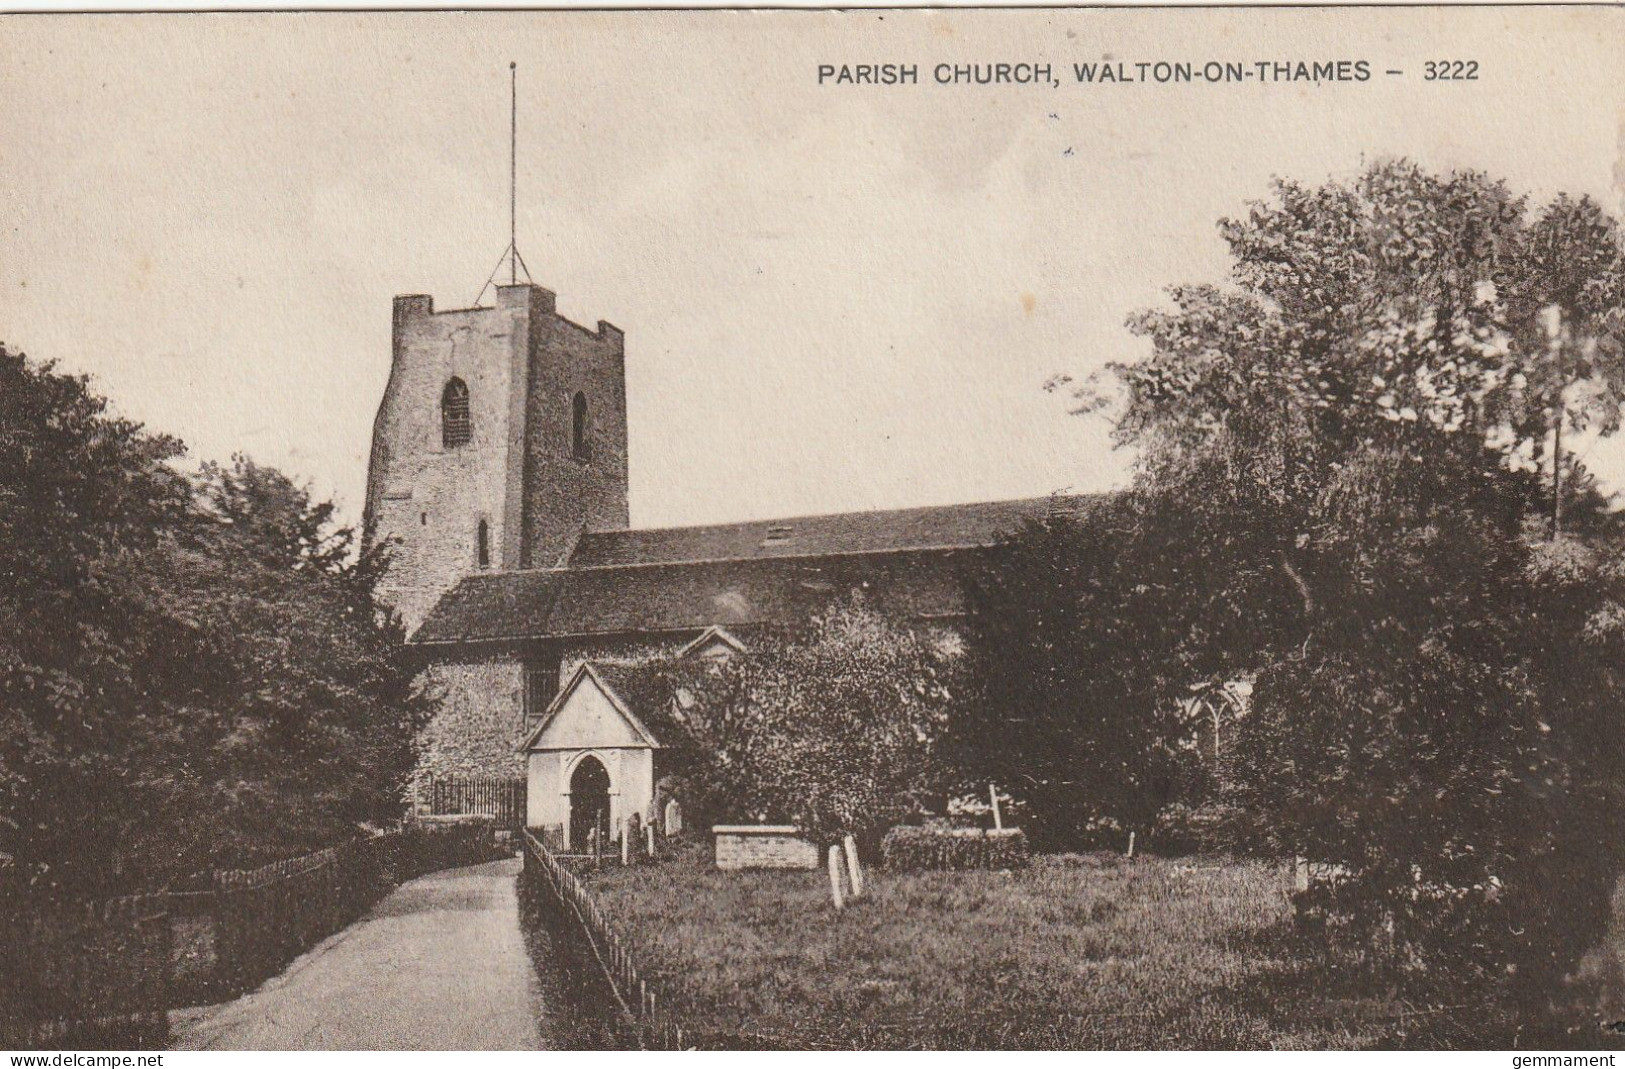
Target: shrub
x=1182 y=828
x=434 y=843
x=833 y=726
x=937 y=847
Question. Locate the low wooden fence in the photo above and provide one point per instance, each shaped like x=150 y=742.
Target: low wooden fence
x=266 y=917
x=501 y=799
x=85 y=974
x=641 y=1006
x=104 y=973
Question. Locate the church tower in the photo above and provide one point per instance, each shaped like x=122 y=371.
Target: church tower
x=500 y=438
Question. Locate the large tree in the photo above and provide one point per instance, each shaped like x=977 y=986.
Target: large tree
x=193 y=669
x=1368 y=417
x=1403 y=310
x=1084 y=631
x=84 y=743
x=310 y=683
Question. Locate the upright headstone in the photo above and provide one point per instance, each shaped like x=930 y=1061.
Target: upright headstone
x=626 y=845
x=649 y=831
x=674 y=819
x=852 y=867
x=835 y=889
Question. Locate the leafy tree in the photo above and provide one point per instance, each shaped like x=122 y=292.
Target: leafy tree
x=82 y=494
x=1366 y=410
x=1081 y=627
x=193 y=671
x=1343 y=456
x=834 y=727
x=1405 y=307
x=312 y=686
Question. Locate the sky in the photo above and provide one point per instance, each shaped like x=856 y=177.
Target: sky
x=835 y=296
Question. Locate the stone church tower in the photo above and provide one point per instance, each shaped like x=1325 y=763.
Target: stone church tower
x=500 y=439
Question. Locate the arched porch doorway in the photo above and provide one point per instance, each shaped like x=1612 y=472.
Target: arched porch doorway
x=589 y=802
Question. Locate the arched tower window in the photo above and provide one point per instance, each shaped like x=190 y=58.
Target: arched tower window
x=455 y=426
x=482 y=544
x=579 y=446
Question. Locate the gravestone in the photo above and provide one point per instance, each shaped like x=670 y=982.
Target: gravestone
x=854 y=872
x=674 y=819
x=836 y=868
x=764 y=846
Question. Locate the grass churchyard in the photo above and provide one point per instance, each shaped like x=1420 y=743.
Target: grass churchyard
x=1074 y=951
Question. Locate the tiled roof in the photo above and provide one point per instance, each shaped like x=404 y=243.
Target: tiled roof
x=684 y=597
x=493 y=605
x=689 y=578
x=934 y=527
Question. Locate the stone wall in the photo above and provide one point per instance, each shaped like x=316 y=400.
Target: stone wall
x=763 y=846
x=523 y=364
x=430 y=498
x=564 y=493
x=480 y=723
x=628 y=650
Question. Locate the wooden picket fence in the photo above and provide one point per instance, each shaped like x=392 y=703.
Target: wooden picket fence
x=85 y=973
x=238 y=879
x=497 y=797
x=639 y=1002
x=265 y=917
x=77 y=973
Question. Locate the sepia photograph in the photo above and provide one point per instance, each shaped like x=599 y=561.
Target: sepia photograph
x=879 y=529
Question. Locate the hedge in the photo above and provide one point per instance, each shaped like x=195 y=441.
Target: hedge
x=935 y=847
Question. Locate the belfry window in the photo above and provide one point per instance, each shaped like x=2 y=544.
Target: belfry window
x=455 y=426
x=580 y=447
x=482 y=548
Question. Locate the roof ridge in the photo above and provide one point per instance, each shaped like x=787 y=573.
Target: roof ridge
x=577 y=569
x=777 y=520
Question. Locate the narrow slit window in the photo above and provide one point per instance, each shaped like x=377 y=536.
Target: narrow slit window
x=482 y=538
x=579 y=445
x=455 y=426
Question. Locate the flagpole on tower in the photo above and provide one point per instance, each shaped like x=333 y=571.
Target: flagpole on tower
x=511 y=253
x=513 y=172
